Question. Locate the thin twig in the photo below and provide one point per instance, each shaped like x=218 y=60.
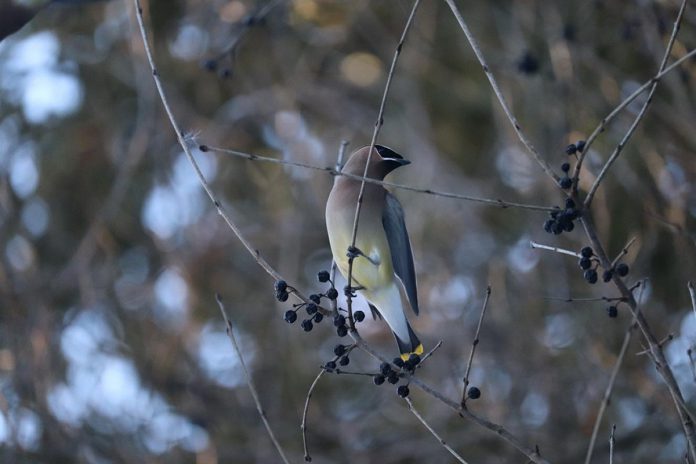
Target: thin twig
x=375 y=133
x=668 y=338
x=303 y=425
x=612 y=442
x=249 y=381
x=534 y=244
x=336 y=172
x=199 y=174
x=474 y=344
x=657 y=353
x=692 y=293
x=499 y=430
x=429 y=354
x=692 y=363
x=627 y=101
x=584 y=300
x=623 y=252
x=612 y=381
x=431 y=430
x=499 y=94
x=641 y=113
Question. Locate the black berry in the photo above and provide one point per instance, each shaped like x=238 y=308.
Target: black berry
x=565 y=167
x=585 y=263
x=314 y=298
x=580 y=144
x=359 y=316
x=622 y=269
x=393 y=378
x=571 y=149
x=385 y=369
x=342 y=331
x=307 y=325
x=330 y=365
x=323 y=276
x=339 y=350
x=587 y=252
x=398 y=362
x=311 y=308
x=344 y=361
x=281 y=286
x=339 y=320
x=290 y=316
x=332 y=294
x=590 y=276
x=414 y=359
x=607 y=275
x=569 y=203
x=403 y=391
x=282 y=296
x=474 y=393
x=378 y=379
x=612 y=311
x=565 y=183
x=548 y=225
x=318 y=317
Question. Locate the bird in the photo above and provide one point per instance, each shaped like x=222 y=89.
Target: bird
x=383 y=268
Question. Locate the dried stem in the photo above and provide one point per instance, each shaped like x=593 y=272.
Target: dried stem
x=474 y=344
x=303 y=425
x=499 y=94
x=336 y=172
x=692 y=293
x=641 y=113
x=584 y=300
x=656 y=351
x=607 y=119
x=429 y=354
x=612 y=442
x=433 y=432
x=623 y=252
x=249 y=381
x=192 y=160
x=532 y=454
x=375 y=133
x=534 y=244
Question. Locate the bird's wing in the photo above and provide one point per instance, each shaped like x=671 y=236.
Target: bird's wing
x=400 y=247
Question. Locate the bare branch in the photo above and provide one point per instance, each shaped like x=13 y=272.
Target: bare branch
x=612 y=442
x=303 y=425
x=499 y=94
x=336 y=172
x=431 y=430
x=429 y=354
x=375 y=133
x=656 y=351
x=474 y=344
x=641 y=114
x=249 y=381
x=532 y=454
x=534 y=244
x=610 y=117
x=692 y=293
x=623 y=252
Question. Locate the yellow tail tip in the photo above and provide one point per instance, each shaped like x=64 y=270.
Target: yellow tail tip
x=419 y=351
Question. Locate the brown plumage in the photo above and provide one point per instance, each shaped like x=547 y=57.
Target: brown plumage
x=386 y=273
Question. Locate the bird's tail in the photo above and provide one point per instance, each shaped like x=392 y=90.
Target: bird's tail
x=410 y=346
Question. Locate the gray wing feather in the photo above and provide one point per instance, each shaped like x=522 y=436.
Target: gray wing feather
x=400 y=247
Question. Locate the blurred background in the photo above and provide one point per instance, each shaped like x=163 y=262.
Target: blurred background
x=112 y=348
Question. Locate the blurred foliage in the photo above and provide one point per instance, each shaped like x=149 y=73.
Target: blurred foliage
x=111 y=346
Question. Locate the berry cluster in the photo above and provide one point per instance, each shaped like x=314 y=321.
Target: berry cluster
x=341 y=353
x=589 y=263
x=566 y=182
x=386 y=372
x=561 y=220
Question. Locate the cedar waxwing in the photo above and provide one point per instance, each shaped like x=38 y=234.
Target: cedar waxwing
x=384 y=273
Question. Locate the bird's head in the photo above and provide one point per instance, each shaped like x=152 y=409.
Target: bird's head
x=383 y=161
